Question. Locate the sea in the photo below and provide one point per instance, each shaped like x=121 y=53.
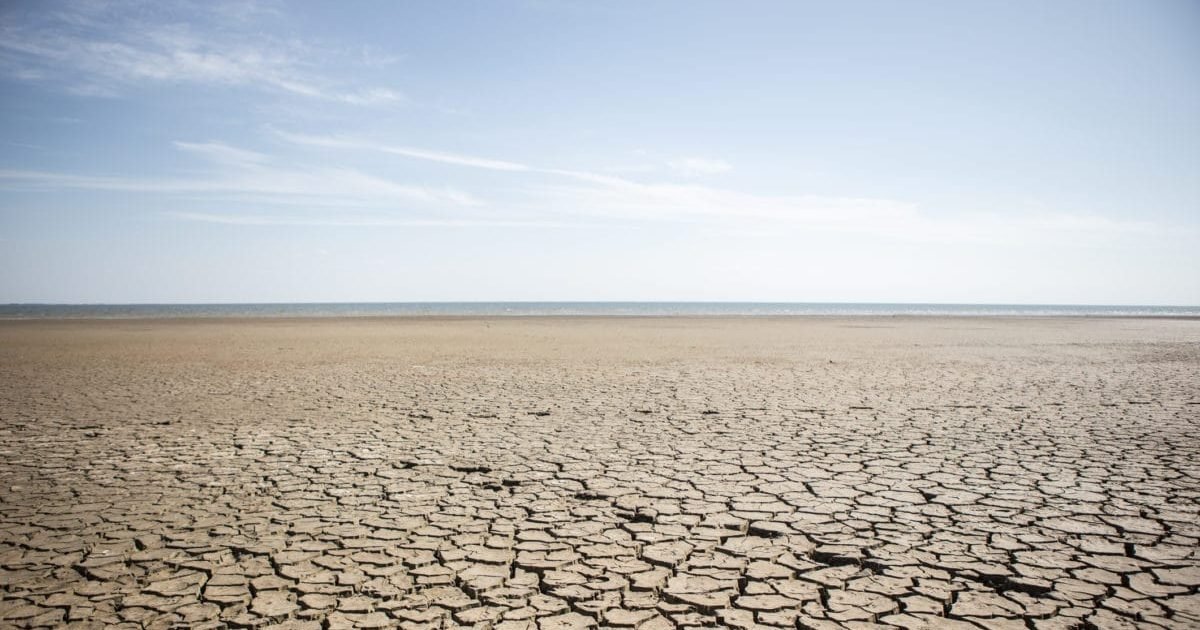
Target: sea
x=580 y=309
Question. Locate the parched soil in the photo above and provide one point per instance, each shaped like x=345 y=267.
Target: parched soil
x=572 y=473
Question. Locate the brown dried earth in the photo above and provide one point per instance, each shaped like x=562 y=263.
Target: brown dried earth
x=573 y=473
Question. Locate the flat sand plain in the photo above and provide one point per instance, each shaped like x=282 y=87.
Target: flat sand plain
x=569 y=473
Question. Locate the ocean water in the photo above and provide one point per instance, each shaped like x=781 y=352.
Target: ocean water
x=601 y=309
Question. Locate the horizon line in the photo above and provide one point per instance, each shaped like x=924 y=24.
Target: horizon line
x=434 y=302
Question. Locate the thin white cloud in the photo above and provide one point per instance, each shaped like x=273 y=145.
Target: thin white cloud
x=457 y=159
x=372 y=96
x=100 y=53
x=452 y=158
x=578 y=197
x=368 y=221
x=883 y=218
x=252 y=182
x=337 y=142
x=697 y=166
x=610 y=196
x=600 y=196
x=222 y=153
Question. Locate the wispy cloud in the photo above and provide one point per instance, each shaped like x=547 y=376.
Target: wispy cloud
x=457 y=159
x=371 y=96
x=601 y=195
x=102 y=52
x=338 y=142
x=697 y=166
x=244 y=175
x=887 y=219
x=598 y=196
x=328 y=186
x=222 y=153
x=547 y=197
x=361 y=221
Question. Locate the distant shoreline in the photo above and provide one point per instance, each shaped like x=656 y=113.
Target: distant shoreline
x=503 y=310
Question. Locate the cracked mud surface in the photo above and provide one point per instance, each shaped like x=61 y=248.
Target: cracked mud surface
x=559 y=474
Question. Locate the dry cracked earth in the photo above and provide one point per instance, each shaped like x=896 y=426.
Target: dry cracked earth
x=576 y=473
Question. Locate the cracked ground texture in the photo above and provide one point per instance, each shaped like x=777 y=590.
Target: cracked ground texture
x=626 y=473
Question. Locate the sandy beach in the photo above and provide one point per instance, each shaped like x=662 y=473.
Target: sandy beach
x=566 y=473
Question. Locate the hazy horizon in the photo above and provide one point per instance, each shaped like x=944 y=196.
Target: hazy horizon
x=598 y=302
x=865 y=152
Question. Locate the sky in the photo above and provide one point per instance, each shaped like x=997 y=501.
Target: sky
x=961 y=152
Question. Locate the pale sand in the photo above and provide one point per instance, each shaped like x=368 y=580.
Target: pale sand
x=562 y=473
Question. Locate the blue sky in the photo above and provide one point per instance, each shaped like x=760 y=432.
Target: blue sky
x=1023 y=152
